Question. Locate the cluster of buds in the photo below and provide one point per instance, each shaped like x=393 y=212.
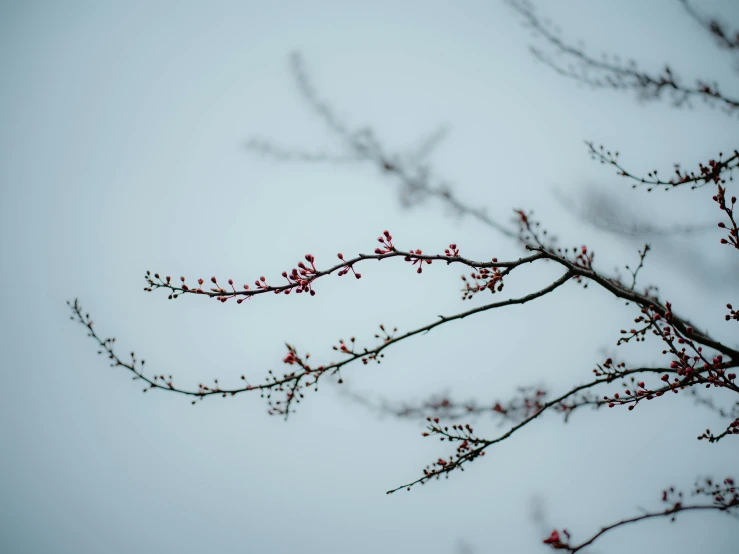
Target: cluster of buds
x=712 y=172
x=733 y=314
x=733 y=230
x=482 y=279
x=636 y=333
x=417 y=260
x=687 y=371
x=342 y=347
x=671 y=496
x=218 y=289
x=260 y=284
x=347 y=268
x=724 y=494
x=662 y=324
x=708 y=173
x=718 y=376
x=302 y=276
x=162 y=379
x=674 y=499
x=387 y=243
x=638 y=391
x=555 y=540
x=452 y=251
x=292 y=383
x=685 y=364
x=584 y=258
x=467 y=450
x=609 y=369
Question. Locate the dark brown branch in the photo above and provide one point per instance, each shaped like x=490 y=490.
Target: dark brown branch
x=528 y=400
x=307 y=276
x=301 y=279
x=626 y=293
x=294 y=379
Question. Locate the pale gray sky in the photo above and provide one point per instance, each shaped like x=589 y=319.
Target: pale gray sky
x=122 y=149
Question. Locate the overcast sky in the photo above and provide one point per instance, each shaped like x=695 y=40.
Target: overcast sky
x=123 y=148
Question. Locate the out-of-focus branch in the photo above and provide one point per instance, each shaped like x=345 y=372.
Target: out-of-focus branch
x=531 y=399
x=716 y=28
x=610 y=72
x=603 y=211
x=709 y=403
x=526 y=401
x=362 y=145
